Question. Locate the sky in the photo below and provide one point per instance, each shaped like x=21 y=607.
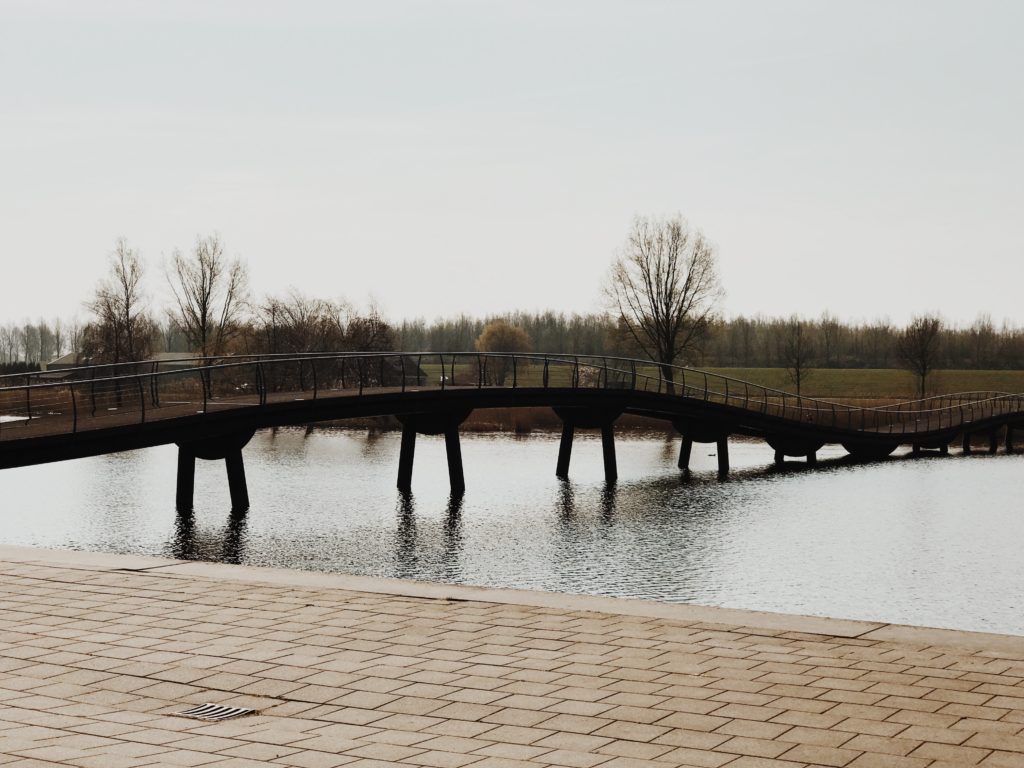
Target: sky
x=864 y=158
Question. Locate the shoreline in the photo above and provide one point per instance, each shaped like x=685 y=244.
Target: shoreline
x=860 y=629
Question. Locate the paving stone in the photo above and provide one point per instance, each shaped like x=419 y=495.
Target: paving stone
x=95 y=661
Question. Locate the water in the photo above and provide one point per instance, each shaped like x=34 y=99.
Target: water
x=933 y=541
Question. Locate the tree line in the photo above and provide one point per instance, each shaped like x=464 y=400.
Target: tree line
x=661 y=294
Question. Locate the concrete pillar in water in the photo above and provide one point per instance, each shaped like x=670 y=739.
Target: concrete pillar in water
x=227 y=447
x=723 y=456
x=454 y=451
x=236 y=481
x=812 y=458
x=186 y=483
x=611 y=470
x=944 y=449
x=780 y=458
x=405 y=457
x=967 y=443
x=684 y=453
x=916 y=450
x=565 y=450
x=1009 y=438
x=993 y=441
x=444 y=422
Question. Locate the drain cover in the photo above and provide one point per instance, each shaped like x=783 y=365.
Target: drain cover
x=214 y=712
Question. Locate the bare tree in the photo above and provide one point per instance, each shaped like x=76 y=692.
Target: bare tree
x=796 y=348
x=210 y=291
x=297 y=323
x=831 y=339
x=369 y=331
x=121 y=329
x=918 y=347
x=664 y=288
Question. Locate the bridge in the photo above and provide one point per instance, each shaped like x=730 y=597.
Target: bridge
x=210 y=408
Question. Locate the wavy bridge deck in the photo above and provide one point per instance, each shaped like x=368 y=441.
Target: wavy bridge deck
x=211 y=407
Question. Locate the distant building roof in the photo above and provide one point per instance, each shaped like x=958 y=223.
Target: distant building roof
x=70 y=360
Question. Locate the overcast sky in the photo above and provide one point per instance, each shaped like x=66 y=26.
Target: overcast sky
x=865 y=158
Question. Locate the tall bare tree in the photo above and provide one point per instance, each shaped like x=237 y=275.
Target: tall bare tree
x=664 y=288
x=121 y=329
x=210 y=291
x=796 y=348
x=918 y=347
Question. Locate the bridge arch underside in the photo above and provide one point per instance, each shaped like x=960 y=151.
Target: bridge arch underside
x=221 y=433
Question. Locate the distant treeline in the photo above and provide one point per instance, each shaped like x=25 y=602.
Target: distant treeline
x=299 y=324
x=743 y=342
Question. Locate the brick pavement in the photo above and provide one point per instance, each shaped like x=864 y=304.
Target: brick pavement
x=97 y=652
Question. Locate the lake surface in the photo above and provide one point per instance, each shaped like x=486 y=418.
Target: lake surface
x=935 y=541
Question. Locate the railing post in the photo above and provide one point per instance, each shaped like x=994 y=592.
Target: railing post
x=441 y=358
x=479 y=372
x=74 y=409
x=142 y=398
x=202 y=383
x=312 y=364
x=402 y=359
x=154 y=393
x=515 y=372
x=632 y=382
x=546 y=372
x=28 y=397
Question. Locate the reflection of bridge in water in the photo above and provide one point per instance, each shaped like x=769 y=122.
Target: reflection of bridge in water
x=210 y=410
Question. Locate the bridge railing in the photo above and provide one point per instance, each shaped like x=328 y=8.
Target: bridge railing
x=89 y=398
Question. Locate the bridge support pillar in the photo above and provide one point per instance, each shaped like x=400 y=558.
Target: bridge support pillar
x=405 y=458
x=723 y=456
x=565 y=450
x=454 y=450
x=186 y=484
x=442 y=423
x=588 y=418
x=812 y=458
x=967 y=443
x=993 y=441
x=236 y=481
x=1009 y=438
x=944 y=449
x=611 y=469
x=780 y=458
x=227 y=447
x=684 y=453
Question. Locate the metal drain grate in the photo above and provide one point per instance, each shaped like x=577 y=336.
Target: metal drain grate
x=214 y=712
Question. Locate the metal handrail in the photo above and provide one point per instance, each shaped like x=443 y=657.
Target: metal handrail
x=271 y=372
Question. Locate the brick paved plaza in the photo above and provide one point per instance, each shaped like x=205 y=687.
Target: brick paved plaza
x=98 y=651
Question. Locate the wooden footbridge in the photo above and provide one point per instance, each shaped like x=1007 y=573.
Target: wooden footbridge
x=210 y=408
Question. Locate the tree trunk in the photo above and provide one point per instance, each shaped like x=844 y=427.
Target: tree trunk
x=668 y=374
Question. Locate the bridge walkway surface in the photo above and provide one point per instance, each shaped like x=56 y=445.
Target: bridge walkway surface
x=99 y=652
x=210 y=408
